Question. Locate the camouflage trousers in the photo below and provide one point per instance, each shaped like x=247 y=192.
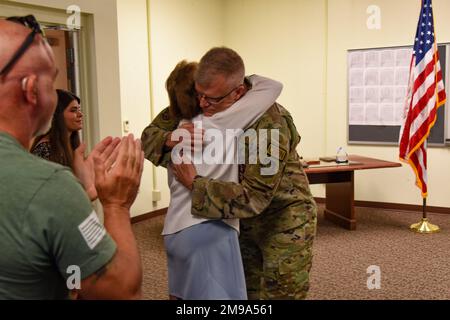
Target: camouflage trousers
x=277 y=267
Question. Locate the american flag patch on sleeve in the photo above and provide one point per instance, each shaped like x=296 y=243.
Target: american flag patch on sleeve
x=92 y=230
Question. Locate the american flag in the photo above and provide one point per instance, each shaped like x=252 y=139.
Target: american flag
x=426 y=93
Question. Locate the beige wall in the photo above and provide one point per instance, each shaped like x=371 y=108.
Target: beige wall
x=286 y=40
x=134 y=71
x=347 y=30
x=104 y=33
x=303 y=43
x=117 y=64
x=118 y=89
x=180 y=29
x=57 y=41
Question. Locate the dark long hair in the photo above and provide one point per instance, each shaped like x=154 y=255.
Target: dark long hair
x=180 y=87
x=61 y=147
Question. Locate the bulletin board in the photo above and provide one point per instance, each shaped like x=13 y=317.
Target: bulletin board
x=377 y=88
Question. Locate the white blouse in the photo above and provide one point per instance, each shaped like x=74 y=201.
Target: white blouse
x=242 y=114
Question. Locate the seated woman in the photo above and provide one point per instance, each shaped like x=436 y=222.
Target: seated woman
x=58 y=145
x=203 y=256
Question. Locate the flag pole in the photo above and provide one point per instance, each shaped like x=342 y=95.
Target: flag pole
x=424 y=226
x=413 y=139
x=424 y=208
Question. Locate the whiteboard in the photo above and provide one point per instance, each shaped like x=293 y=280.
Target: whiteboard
x=447 y=104
x=377 y=88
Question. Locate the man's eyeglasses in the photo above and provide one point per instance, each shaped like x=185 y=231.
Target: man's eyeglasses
x=29 y=22
x=212 y=100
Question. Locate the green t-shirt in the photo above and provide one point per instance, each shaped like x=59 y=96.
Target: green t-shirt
x=48 y=228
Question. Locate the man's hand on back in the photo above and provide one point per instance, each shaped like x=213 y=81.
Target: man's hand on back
x=185 y=173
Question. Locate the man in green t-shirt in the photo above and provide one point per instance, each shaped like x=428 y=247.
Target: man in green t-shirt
x=52 y=241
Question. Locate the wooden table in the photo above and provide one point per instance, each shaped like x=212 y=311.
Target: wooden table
x=340 y=186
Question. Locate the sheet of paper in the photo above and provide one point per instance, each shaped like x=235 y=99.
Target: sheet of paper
x=386 y=94
x=356 y=95
x=387 y=76
x=387 y=58
x=401 y=76
x=387 y=114
x=356 y=114
x=400 y=94
x=372 y=59
x=372 y=95
x=403 y=57
x=372 y=77
x=398 y=114
x=372 y=114
x=356 y=77
x=356 y=59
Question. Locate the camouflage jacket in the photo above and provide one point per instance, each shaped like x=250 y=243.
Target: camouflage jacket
x=274 y=203
x=154 y=138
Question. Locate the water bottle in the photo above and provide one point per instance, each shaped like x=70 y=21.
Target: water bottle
x=341 y=155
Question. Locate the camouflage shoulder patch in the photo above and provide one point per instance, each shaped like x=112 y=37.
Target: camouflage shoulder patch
x=273 y=113
x=281 y=152
x=166 y=115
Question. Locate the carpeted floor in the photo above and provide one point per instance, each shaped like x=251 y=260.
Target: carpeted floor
x=413 y=266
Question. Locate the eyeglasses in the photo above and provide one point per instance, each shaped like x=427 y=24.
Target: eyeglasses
x=29 y=22
x=212 y=100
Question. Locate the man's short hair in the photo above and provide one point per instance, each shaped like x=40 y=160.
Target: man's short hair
x=221 y=61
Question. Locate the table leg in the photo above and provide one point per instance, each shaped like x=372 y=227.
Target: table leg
x=339 y=203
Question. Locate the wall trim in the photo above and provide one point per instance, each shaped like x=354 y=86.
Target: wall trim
x=150 y=215
x=364 y=204
x=394 y=206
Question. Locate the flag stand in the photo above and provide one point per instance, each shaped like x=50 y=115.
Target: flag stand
x=424 y=226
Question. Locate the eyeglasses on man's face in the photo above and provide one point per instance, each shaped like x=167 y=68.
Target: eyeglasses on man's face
x=29 y=22
x=212 y=100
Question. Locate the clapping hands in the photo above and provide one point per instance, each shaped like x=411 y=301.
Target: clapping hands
x=112 y=171
x=83 y=167
x=117 y=182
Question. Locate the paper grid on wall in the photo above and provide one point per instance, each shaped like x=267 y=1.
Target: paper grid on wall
x=378 y=82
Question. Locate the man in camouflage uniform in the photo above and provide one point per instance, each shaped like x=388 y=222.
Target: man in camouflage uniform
x=278 y=211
